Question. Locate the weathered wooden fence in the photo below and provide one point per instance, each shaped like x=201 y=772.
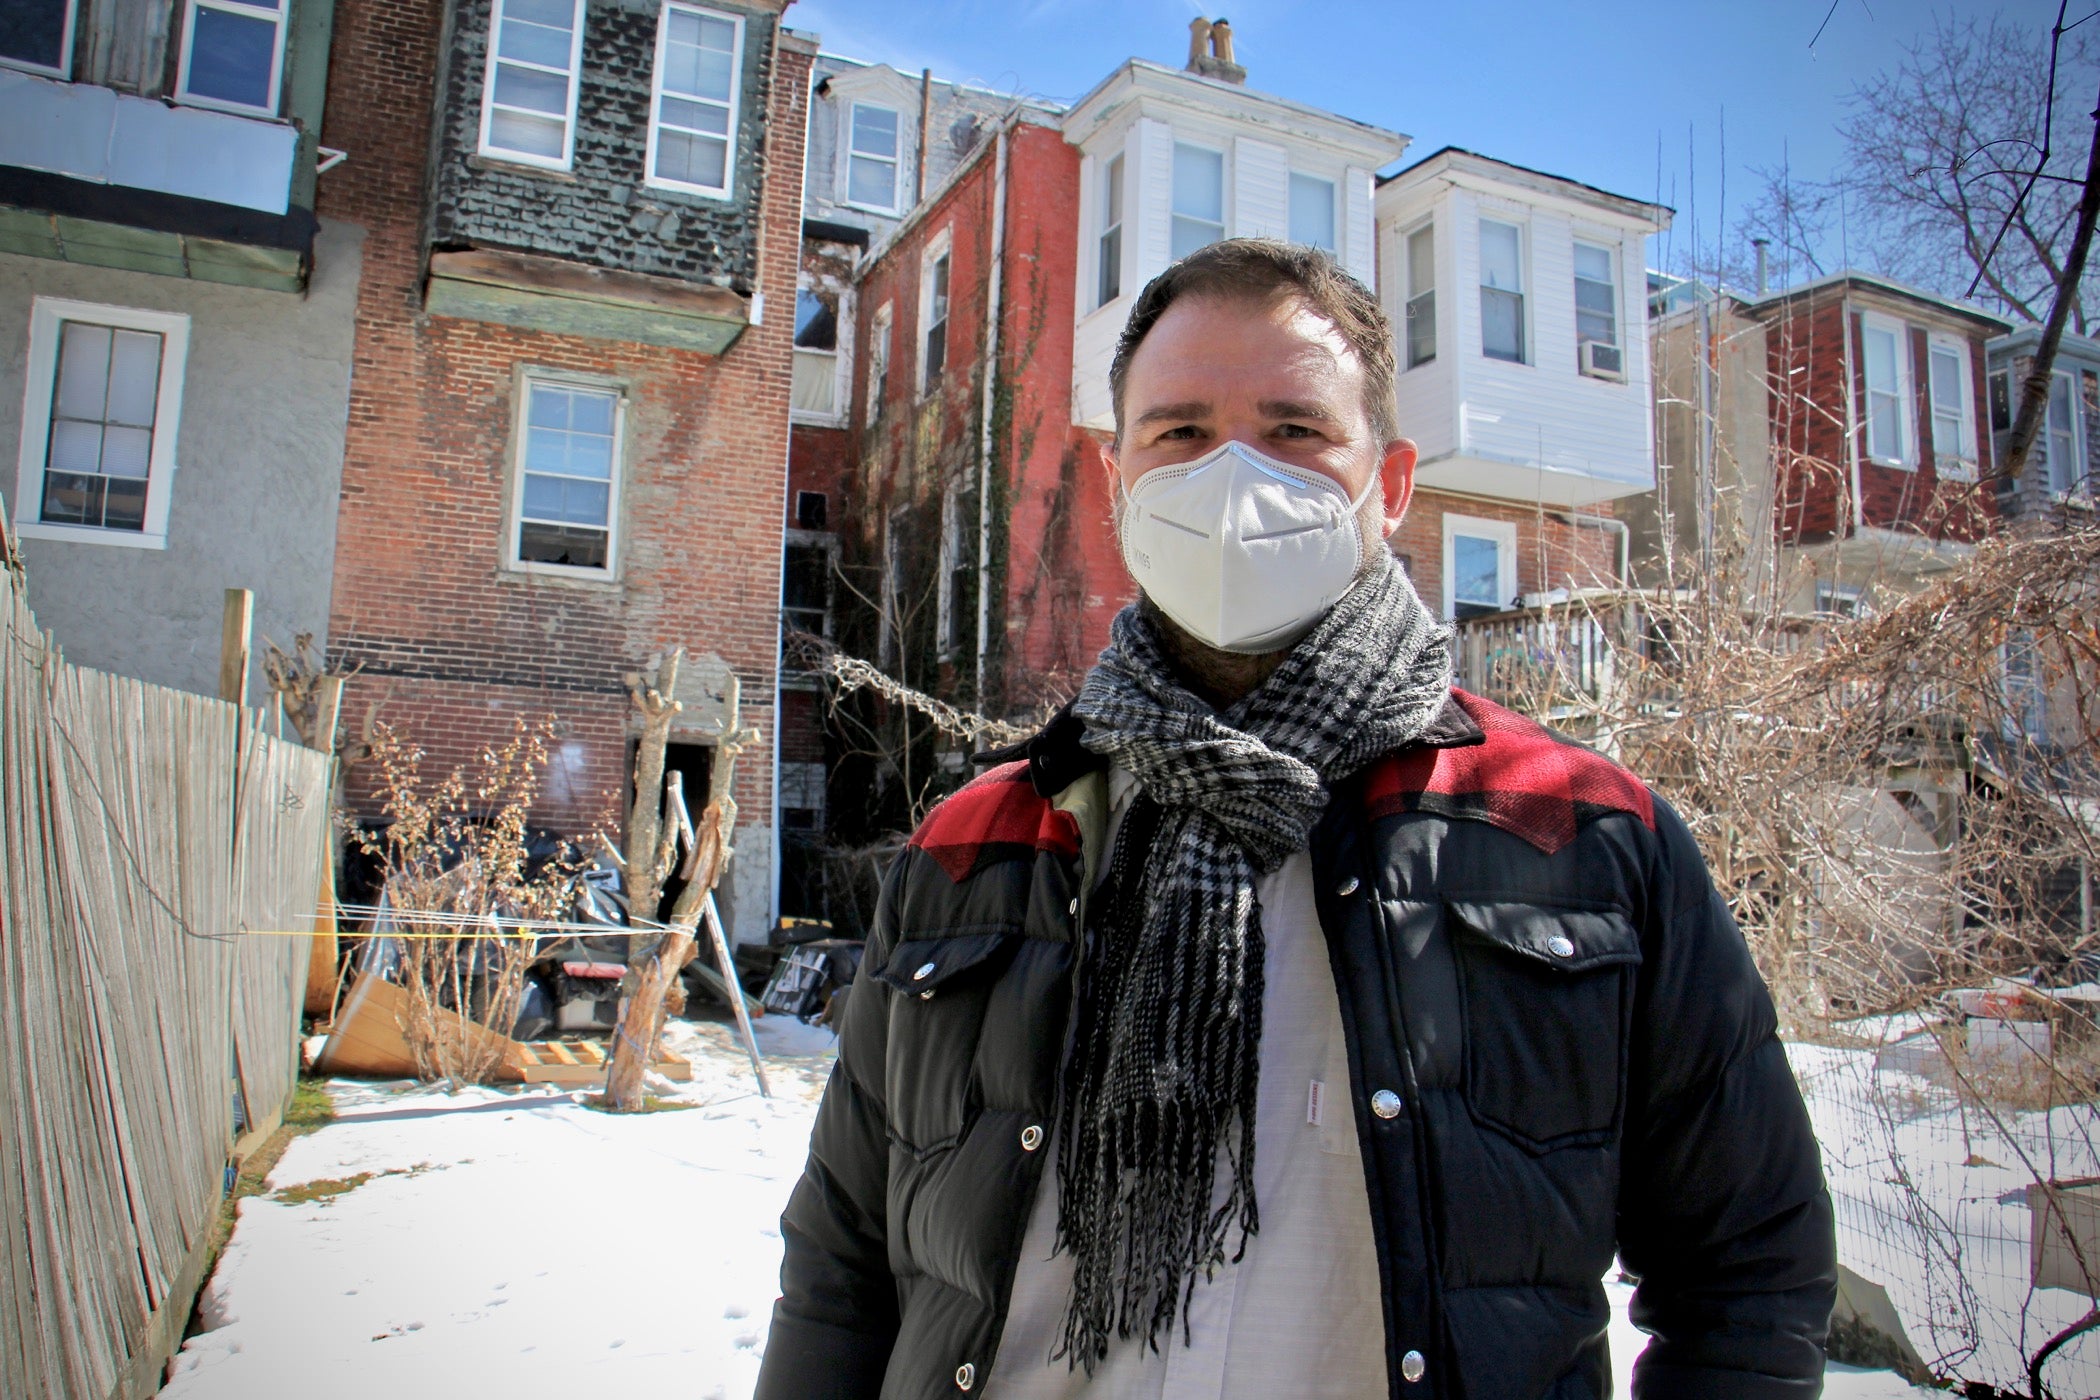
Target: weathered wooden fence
x=141 y=831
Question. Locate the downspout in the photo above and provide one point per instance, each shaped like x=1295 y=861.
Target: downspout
x=1851 y=427
x=992 y=300
x=1604 y=522
x=1709 y=455
x=918 y=188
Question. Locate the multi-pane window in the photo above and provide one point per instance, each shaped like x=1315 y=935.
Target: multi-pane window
x=1596 y=296
x=1501 y=291
x=805 y=594
x=815 y=386
x=1109 y=253
x=232 y=54
x=38 y=35
x=692 y=111
x=2060 y=435
x=1421 y=296
x=1199 y=198
x=1312 y=211
x=1953 y=439
x=871 y=163
x=933 y=355
x=103 y=406
x=1882 y=345
x=1480 y=558
x=878 y=359
x=528 y=106
x=2026 y=687
x=568 y=480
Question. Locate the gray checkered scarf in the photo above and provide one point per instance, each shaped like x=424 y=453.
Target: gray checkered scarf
x=1165 y=1056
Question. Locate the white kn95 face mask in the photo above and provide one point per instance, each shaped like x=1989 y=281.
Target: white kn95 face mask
x=1245 y=552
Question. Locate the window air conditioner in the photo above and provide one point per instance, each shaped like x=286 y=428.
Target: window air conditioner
x=1601 y=361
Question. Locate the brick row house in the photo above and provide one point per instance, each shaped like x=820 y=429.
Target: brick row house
x=568 y=421
x=176 y=323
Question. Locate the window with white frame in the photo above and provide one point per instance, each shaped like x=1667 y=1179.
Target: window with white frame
x=1953 y=417
x=933 y=312
x=1108 y=254
x=1596 y=295
x=1199 y=198
x=692 y=104
x=2062 y=452
x=1480 y=566
x=1836 y=599
x=38 y=35
x=528 y=101
x=568 y=477
x=232 y=54
x=878 y=359
x=1884 y=357
x=872 y=157
x=2026 y=687
x=1501 y=291
x=1421 y=296
x=814 y=390
x=104 y=400
x=1312 y=211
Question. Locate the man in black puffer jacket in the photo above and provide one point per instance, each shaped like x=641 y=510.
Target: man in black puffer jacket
x=1281 y=1020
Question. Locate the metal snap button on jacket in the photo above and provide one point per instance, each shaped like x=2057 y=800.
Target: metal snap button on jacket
x=1347 y=887
x=1073 y=907
x=925 y=971
x=1386 y=1104
x=1031 y=1138
x=1411 y=1367
x=1560 y=946
x=965 y=1376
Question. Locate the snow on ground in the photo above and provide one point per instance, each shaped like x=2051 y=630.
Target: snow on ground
x=515 y=1244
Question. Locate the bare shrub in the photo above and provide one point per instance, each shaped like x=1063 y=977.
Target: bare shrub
x=460 y=894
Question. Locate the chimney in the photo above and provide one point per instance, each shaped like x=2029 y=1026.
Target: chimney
x=1210 y=51
x=1761 y=244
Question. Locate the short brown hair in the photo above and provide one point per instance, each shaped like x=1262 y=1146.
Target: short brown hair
x=1260 y=268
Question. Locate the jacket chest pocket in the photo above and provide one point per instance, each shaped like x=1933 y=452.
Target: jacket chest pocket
x=1548 y=997
x=945 y=989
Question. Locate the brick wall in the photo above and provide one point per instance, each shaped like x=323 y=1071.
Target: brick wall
x=453 y=646
x=1550 y=553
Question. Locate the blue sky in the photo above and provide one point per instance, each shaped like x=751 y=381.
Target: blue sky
x=1634 y=97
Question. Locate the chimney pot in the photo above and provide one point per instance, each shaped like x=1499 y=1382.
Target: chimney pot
x=1199 y=43
x=1221 y=40
x=1761 y=244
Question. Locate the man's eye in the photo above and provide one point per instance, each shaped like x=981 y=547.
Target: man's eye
x=1181 y=434
x=1296 y=430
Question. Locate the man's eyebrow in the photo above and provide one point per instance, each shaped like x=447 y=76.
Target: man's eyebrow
x=1193 y=408
x=1288 y=408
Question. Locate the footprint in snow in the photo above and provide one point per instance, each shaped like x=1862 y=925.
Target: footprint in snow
x=618 y=1344
x=735 y=1311
x=746 y=1340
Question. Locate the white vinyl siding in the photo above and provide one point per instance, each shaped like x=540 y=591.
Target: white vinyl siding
x=38 y=36
x=1199 y=198
x=103 y=404
x=1953 y=414
x=1312 y=211
x=232 y=54
x=528 y=100
x=1421 y=296
x=566 y=504
x=1885 y=361
x=1502 y=291
x=693 y=102
x=873 y=142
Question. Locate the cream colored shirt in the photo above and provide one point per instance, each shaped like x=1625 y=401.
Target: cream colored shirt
x=1300 y=1314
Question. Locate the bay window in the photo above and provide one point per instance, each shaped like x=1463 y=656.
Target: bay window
x=1109 y=251
x=1312 y=211
x=1953 y=424
x=1421 y=296
x=1882 y=347
x=1501 y=291
x=1199 y=198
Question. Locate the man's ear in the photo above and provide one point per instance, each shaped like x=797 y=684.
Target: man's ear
x=1396 y=479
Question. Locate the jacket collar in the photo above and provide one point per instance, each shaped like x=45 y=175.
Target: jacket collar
x=1056 y=758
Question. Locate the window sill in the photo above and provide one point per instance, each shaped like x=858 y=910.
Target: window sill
x=518 y=165
x=232 y=109
x=1892 y=463
x=91 y=534
x=721 y=196
x=590 y=580
x=877 y=210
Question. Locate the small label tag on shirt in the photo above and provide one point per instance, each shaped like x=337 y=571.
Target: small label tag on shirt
x=1315 y=1102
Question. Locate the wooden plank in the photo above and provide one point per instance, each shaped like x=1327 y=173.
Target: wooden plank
x=559 y=1052
x=235 y=634
x=598 y=320
x=558 y=277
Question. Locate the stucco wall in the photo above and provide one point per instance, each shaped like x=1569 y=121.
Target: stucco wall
x=259 y=459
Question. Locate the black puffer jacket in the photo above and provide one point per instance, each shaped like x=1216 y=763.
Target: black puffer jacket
x=1528 y=952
